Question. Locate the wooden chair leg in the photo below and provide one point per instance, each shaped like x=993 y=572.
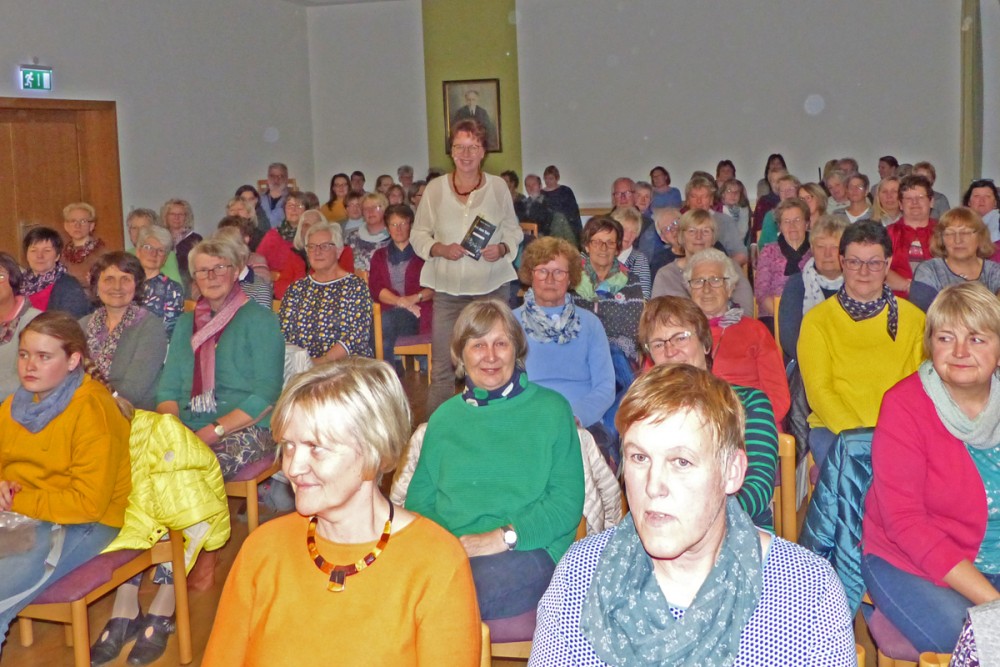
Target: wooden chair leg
x=26 y=631
x=183 y=611
x=81 y=633
x=68 y=634
x=253 y=508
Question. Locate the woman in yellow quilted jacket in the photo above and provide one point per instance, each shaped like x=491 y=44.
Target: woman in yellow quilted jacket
x=64 y=463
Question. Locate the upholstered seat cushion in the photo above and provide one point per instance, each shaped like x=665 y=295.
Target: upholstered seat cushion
x=86 y=578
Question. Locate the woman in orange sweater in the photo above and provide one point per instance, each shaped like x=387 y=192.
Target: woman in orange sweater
x=349 y=574
x=65 y=472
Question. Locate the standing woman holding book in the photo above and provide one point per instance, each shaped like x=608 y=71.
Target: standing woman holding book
x=449 y=207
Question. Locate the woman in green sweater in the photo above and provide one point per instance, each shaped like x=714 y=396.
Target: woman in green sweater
x=500 y=466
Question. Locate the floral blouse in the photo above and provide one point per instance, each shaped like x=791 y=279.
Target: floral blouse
x=316 y=316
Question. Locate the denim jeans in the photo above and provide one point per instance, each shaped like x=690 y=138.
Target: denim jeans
x=511 y=582
x=821 y=441
x=27 y=571
x=929 y=616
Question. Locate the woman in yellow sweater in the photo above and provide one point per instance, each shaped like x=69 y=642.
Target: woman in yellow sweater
x=349 y=575
x=64 y=464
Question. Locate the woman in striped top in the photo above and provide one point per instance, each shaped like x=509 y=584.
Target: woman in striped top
x=674 y=330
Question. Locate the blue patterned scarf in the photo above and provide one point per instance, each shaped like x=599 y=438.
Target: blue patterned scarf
x=864 y=310
x=628 y=621
x=539 y=326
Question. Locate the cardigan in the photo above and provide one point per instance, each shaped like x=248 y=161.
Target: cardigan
x=934 y=275
x=414 y=605
x=442 y=218
x=136 y=362
x=9 y=380
x=746 y=354
x=903 y=237
x=249 y=367
x=64 y=294
x=847 y=366
x=378 y=280
x=513 y=461
x=790 y=314
x=282 y=257
x=580 y=369
x=770 y=278
x=926 y=509
x=669 y=281
x=76 y=469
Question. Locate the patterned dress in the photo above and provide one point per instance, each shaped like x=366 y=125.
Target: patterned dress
x=164 y=298
x=316 y=316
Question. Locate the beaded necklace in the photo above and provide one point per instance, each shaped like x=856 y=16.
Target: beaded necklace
x=340 y=572
x=454 y=185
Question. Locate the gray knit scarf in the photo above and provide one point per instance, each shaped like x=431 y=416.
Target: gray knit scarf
x=627 y=619
x=983 y=432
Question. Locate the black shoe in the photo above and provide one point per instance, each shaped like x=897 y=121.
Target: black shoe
x=150 y=645
x=116 y=633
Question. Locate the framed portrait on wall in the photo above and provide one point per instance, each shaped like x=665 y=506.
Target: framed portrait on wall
x=478 y=99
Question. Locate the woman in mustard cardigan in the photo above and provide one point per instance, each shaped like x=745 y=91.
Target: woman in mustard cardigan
x=64 y=464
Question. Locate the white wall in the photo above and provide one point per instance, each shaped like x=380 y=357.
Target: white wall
x=198 y=83
x=369 y=108
x=990 y=14
x=613 y=88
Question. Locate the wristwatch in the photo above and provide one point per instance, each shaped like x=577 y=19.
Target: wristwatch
x=509 y=537
x=219 y=429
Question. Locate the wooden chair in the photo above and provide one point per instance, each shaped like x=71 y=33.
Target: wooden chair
x=189 y=305
x=415 y=346
x=377 y=330
x=530 y=229
x=68 y=599
x=785 y=511
x=486 y=659
x=777 y=330
x=276 y=305
x=860 y=650
x=361 y=273
x=935 y=659
x=245 y=484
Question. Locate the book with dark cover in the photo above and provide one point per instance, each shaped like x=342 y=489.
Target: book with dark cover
x=478 y=236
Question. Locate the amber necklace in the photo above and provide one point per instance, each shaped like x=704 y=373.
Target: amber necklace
x=454 y=184
x=340 y=572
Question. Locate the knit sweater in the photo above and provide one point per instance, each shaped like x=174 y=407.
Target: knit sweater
x=137 y=360
x=76 y=469
x=249 y=367
x=746 y=354
x=848 y=366
x=415 y=605
x=282 y=257
x=580 y=369
x=761 y=436
x=510 y=462
x=934 y=275
x=926 y=508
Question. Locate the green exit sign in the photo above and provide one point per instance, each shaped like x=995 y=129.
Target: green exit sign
x=36 y=78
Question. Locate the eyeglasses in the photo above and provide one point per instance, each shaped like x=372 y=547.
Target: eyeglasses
x=371 y=209
x=81 y=221
x=860 y=187
x=152 y=249
x=603 y=245
x=212 y=272
x=697 y=231
x=465 y=149
x=398 y=225
x=714 y=282
x=624 y=193
x=914 y=199
x=677 y=340
x=3 y=277
x=543 y=273
x=855 y=264
x=295 y=205
x=792 y=221
x=953 y=234
x=320 y=247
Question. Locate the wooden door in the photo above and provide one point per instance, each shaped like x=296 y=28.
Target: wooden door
x=53 y=152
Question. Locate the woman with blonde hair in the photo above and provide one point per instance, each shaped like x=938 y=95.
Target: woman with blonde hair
x=83 y=249
x=386 y=585
x=961 y=246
